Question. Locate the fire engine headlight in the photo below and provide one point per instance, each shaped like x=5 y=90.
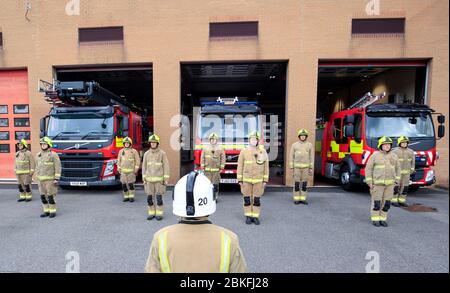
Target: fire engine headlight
x=109 y=169
x=430 y=176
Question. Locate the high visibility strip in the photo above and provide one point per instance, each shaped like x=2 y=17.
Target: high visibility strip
x=405 y=171
x=334 y=147
x=382 y=218
x=46 y=177
x=154 y=178
x=166 y=176
x=301 y=165
x=156 y=164
x=302 y=197
x=49 y=163
x=125 y=170
x=22 y=196
x=253 y=181
x=248 y=162
x=395 y=200
x=225 y=252
x=255 y=215
x=266 y=177
x=159 y=213
x=151 y=212
x=22 y=172
x=162 y=241
x=375 y=218
x=212 y=169
x=248 y=214
x=356 y=148
x=402 y=200
x=379 y=166
x=297 y=198
x=384 y=182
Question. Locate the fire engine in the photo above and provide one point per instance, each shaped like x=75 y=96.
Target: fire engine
x=345 y=142
x=232 y=119
x=87 y=124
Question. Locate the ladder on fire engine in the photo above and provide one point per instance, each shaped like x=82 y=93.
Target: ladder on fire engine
x=81 y=93
x=366 y=100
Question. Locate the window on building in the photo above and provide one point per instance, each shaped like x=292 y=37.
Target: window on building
x=4 y=148
x=100 y=34
x=3 y=109
x=233 y=29
x=21 y=109
x=4 y=122
x=1 y=39
x=22 y=135
x=4 y=135
x=21 y=122
x=358 y=128
x=378 y=26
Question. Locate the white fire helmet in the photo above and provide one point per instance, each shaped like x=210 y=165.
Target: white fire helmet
x=193 y=196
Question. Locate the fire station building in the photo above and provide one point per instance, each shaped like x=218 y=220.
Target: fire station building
x=301 y=60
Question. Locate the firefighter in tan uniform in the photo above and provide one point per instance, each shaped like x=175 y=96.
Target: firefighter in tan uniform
x=301 y=159
x=382 y=175
x=407 y=161
x=195 y=245
x=213 y=161
x=155 y=174
x=48 y=172
x=252 y=175
x=24 y=169
x=128 y=164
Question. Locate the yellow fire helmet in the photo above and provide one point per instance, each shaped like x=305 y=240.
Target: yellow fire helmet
x=213 y=136
x=402 y=139
x=302 y=132
x=154 y=138
x=127 y=139
x=384 y=140
x=255 y=134
x=23 y=142
x=46 y=140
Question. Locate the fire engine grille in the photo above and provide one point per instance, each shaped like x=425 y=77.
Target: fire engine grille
x=78 y=174
x=86 y=170
x=418 y=175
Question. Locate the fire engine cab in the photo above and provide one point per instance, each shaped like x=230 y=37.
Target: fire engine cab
x=232 y=119
x=345 y=142
x=87 y=124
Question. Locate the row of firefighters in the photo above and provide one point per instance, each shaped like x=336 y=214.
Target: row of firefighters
x=174 y=248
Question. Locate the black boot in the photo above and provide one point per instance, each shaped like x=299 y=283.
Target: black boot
x=52 y=215
x=304 y=202
x=28 y=200
x=256 y=221
x=403 y=204
x=125 y=199
x=396 y=204
x=296 y=202
x=248 y=220
x=383 y=223
x=43 y=215
x=376 y=223
x=131 y=199
x=21 y=199
x=149 y=218
x=159 y=218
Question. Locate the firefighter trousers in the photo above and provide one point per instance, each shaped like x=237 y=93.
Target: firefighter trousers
x=24 y=184
x=48 y=190
x=128 y=188
x=381 y=201
x=401 y=192
x=155 y=192
x=214 y=177
x=252 y=198
x=301 y=176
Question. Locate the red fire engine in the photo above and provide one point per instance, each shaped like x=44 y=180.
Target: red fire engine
x=232 y=120
x=87 y=124
x=346 y=141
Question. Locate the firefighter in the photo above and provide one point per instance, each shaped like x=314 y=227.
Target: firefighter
x=24 y=170
x=213 y=161
x=301 y=161
x=407 y=159
x=382 y=175
x=128 y=164
x=48 y=172
x=253 y=175
x=155 y=174
x=195 y=245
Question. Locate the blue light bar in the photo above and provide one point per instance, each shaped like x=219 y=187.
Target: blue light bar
x=228 y=104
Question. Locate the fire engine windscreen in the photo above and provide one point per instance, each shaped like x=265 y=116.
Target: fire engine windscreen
x=84 y=126
x=230 y=127
x=395 y=126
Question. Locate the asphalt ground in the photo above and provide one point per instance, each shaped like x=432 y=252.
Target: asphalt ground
x=332 y=234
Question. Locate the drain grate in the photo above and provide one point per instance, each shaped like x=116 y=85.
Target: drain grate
x=418 y=208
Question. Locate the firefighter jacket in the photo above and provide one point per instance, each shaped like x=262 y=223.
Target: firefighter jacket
x=213 y=158
x=301 y=155
x=253 y=165
x=24 y=163
x=155 y=167
x=382 y=169
x=407 y=160
x=48 y=166
x=195 y=247
x=128 y=161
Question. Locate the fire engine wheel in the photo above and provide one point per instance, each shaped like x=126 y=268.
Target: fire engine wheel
x=344 y=178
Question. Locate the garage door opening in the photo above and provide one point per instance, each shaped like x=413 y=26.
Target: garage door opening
x=254 y=91
x=133 y=83
x=87 y=131
x=340 y=84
